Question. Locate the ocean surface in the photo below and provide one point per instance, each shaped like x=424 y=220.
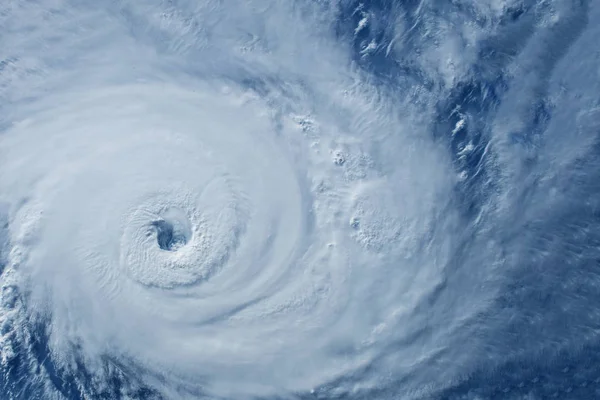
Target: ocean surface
x=303 y=199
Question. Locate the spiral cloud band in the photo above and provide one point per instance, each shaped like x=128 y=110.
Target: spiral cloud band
x=304 y=200
x=183 y=223
x=202 y=212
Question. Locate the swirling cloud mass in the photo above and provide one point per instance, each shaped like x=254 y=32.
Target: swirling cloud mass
x=299 y=199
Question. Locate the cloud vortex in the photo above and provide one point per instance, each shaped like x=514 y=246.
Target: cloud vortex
x=202 y=200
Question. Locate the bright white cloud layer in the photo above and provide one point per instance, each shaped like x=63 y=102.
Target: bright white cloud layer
x=233 y=201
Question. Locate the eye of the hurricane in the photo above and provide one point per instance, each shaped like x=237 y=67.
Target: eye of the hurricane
x=172 y=231
x=168 y=236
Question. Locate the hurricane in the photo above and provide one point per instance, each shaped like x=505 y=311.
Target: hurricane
x=302 y=199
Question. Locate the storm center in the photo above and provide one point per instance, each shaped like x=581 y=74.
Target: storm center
x=172 y=231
